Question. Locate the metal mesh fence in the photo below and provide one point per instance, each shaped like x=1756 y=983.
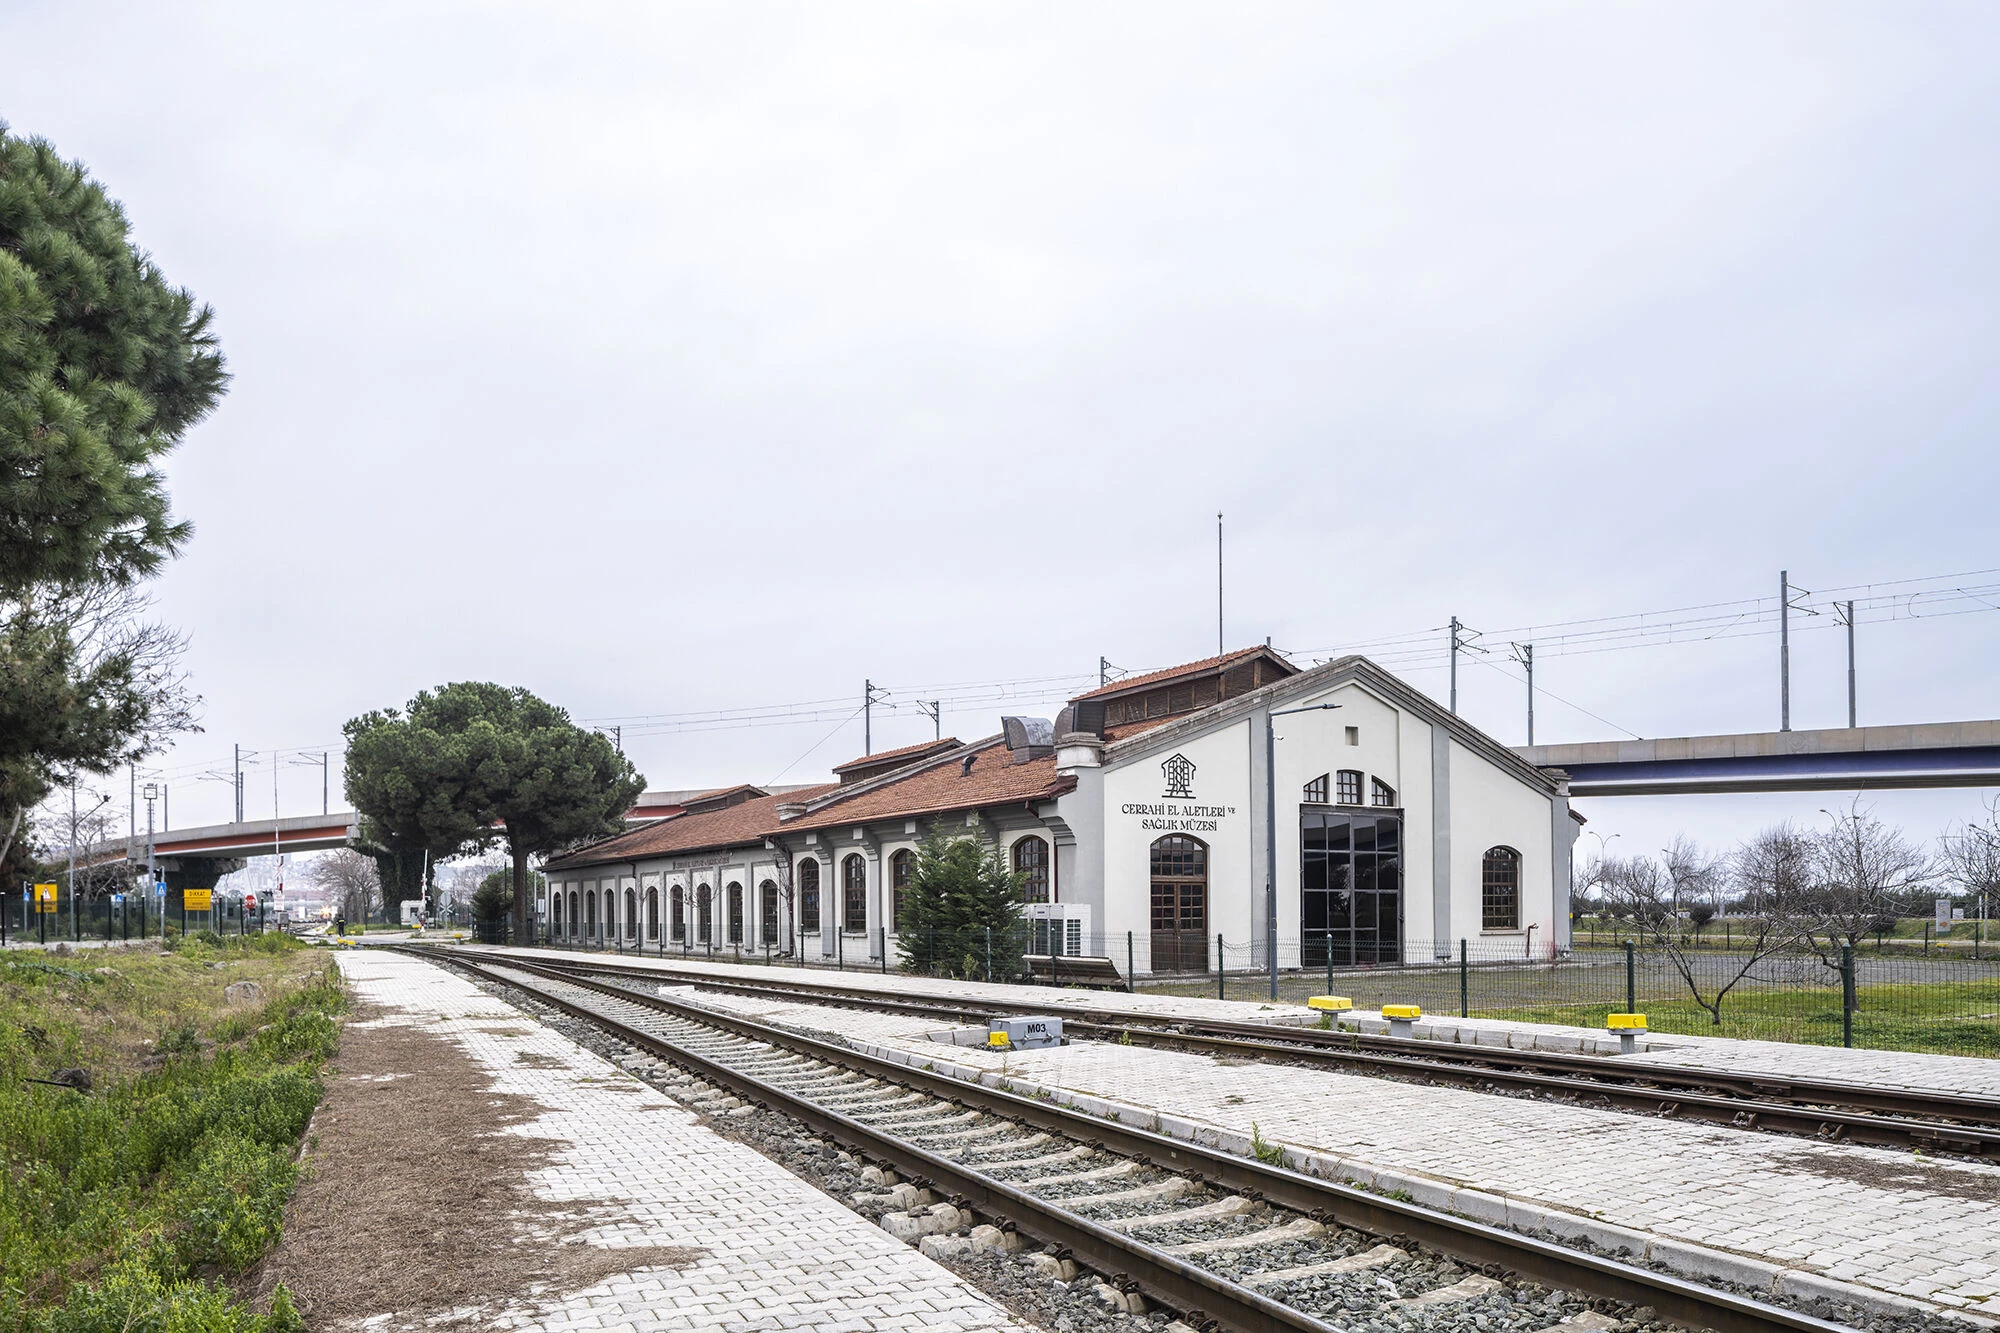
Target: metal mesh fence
x=1890 y=997
x=134 y=916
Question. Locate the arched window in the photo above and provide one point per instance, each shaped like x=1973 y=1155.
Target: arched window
x=900 y=866
x=555 y=915
x=631 y=915
x=1500 y=889
x=589 y=913
x=676 y=914
x=854 y=894
x=1348 y=788
x=1180 y=905
x=1316 y=790
x=704 y=913
x=572 y=914
x=652 y=914
x=809 y=897
x=736 y=914
x=1031 y=858
x=1380 y=792
x=767 y=909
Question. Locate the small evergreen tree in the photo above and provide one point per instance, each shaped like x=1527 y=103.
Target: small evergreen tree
x=962 y=906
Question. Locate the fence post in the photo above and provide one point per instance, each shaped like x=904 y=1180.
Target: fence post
x=1130 y=984
x=1218 y=967
x=1329 y=962
x=930 y=961
x=989 y=955
x=1927 y=939
x=1631 y=981
x=1464 y=982
x=1847 y=995
x=884 y=932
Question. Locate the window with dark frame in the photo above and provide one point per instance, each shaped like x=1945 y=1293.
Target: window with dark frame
x=676 y=914
x=1500 y=889
x=767 y=910
x=735 y=914
x=854 y=894
x=809 y=897
x=1031 y=858
x=1316 y=790
x=1380 y=792
x=1349 y=787
x=899 y=880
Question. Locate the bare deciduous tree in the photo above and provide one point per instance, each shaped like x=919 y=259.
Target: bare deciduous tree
x=1654 y=893
x=349 y=879
x=1969 y=855
x=1864 y=874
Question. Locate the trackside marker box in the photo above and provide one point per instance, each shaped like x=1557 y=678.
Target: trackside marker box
x=1401 y=1017
x=1026 y=1033
x=1628 y=1027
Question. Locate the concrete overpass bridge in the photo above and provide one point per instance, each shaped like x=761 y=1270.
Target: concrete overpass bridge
x=195 y=858
x=1933 y=754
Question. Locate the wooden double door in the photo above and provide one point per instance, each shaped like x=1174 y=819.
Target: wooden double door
x=1180 y=904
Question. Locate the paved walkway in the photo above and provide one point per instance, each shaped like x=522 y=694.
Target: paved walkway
x=1881 y=1220
x=780 y=1254
x=1902 y=1069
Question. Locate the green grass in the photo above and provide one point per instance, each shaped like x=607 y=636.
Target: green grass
x=1952 y=1018
x=129 y=1207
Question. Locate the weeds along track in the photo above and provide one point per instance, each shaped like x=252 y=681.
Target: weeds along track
x=1227 y=1242
x=1829 y=1111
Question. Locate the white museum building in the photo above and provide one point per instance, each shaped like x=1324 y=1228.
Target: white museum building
x=1153 y=820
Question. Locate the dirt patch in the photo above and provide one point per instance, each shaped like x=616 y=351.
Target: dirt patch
x=436 y=1229
x=537 y=1060
x=1914 y=1174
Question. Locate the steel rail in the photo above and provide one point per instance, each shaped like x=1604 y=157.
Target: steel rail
x=1816 y=1108
x=1552 y=1265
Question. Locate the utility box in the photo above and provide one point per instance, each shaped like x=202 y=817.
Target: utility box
x=1026 y=1034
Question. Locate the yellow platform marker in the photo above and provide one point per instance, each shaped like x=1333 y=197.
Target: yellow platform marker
x=1402 y=1011
x=1339 y=1004
x=1628 y=1027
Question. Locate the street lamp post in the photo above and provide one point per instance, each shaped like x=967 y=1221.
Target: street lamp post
x=1271 y=834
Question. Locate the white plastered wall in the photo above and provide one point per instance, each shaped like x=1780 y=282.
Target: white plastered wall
x=1492 y=807
x=1222 y=760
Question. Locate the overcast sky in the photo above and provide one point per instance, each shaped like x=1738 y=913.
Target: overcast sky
x=665 y=358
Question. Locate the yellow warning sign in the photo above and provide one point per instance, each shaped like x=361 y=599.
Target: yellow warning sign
x=45 y=897
x=195 y=900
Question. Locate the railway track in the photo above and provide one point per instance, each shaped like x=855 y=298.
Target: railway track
x=1228 y=1243
x=1820 y=1109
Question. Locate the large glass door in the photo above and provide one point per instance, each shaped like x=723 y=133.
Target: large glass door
x=1351 y=888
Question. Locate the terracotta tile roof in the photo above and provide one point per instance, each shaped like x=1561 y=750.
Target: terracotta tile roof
x=870 y=760
x=731 y=826
x=1204 y=666
x=944 y=786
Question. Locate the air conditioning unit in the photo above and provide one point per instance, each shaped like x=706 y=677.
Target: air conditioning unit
x=1058 y=929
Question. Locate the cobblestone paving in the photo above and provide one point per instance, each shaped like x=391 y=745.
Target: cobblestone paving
x=1923 y=1228
x=781 y=1255
x=1911 y=1070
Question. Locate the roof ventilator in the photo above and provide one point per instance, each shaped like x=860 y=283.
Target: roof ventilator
x=1029 y=737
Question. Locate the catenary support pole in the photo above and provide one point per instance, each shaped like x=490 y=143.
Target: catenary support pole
x=1219 y=649
x=1454 y=665
x=1850 y=666
x=1784 y=650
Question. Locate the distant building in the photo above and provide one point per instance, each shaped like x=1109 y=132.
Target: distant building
x=1141 y=811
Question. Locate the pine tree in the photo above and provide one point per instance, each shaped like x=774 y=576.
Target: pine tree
x=962 y=907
